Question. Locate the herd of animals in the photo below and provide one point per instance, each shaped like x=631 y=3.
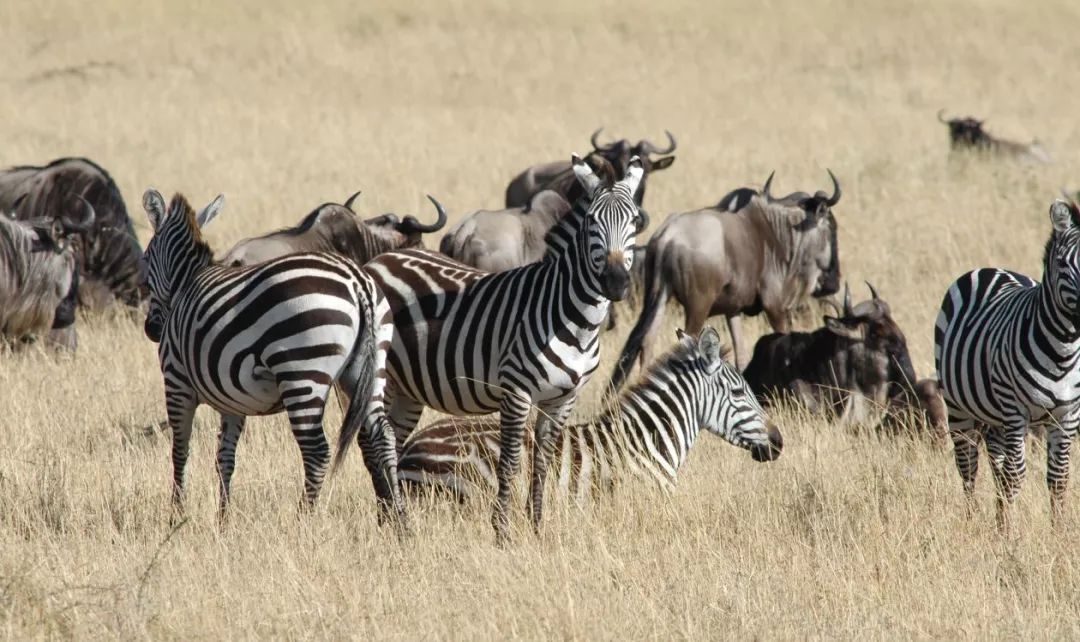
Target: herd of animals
x=506 y=318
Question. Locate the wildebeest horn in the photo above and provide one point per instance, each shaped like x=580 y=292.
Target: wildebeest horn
x=649 y=148
x=768 y=184
x=832 y=304
x=847 y=300
x=352 y=199
x=411 y=224
x=85 y=225
x=873 y=292
x=597 y=146
x=835 y=198
x=940 y=119
x=643 y=220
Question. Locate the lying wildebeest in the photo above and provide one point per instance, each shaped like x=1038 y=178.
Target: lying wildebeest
x=109 y=252
x=769 y=255
x=336 y=228
x=916 y=407
x=855 y=358
x=559 y=176
x=967 y=134
x=498 y=240
x=39 y=278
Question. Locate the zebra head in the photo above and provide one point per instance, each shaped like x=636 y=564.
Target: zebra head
x=611 y=222
x=729 y=408
x=174 y=253
x=1062 y=259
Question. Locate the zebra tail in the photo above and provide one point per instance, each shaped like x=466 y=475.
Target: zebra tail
x=364 y=356
x=652 y=311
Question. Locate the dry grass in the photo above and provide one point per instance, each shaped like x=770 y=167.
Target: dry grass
x=283 y=106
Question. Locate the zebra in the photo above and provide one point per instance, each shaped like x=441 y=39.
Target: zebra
x=468 y=342
x=649 y=433
x=1006 y=349
x=258 y=340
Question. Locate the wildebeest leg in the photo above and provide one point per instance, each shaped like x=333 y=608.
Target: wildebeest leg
x=779 y=320
x=734 y=324
x=966 y=436
x=1006 y=447
x=231 y=428
x=1058 y=444
x=180 y=405
x=549 y=426
x=513 y=414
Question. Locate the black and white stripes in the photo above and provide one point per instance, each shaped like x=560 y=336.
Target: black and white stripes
x=1006 y=350
x=259 y=340
x=468 y=342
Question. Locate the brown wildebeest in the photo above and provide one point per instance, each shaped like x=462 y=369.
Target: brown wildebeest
x=39 y=278
x=109 y=252
x=559 y=176
x=855 y=358
x=967 y=134
x=767 y=256
x=336 y=228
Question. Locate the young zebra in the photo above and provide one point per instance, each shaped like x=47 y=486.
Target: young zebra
x=469 y=342
x=262 y=339
x=649 y=434
x=1006 y=350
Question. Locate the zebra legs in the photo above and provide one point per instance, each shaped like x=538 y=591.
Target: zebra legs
x=1006 y=448
x=231 y=428
x=513 y=412
x=180 y=406
x=376 y=440
x=549 y=425
x=306 y=417
x=404 y=413
x=1058 y=444
x=966 y=435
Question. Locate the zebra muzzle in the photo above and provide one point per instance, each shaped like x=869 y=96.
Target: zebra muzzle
x=771 y=450
x=154 y=327
x=615 y=280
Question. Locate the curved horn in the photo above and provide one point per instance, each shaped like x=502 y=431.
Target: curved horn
x=940 y=119
x=873 y=292
x=411 y=224
x=835 y=198
x=352 y=199
x=84 y=225
x=847 y=300
x=832 y=304
x=643 y=220
x=649 y=148
x=768 y=184
x=596 y=145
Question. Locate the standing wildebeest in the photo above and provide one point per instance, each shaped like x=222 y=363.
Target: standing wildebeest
x=767 y=256
x=109 y=252
x=861 y=355
x=967 y=134
x=39 y=278
x=335 y=228
x=559 y=175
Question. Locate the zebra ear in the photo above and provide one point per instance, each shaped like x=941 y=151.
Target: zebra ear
x=634 y=172
x=154 y=205
x=585 y=175
x=710 y=347
x=1063 y=216
x=210 y=211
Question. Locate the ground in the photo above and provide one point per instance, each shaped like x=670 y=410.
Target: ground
x=285 y=105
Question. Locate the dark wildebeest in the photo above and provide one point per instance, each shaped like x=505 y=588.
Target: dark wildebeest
x=559 y=176
x=919 y=407
x=336 y=228
x=109 y=253
x=769 y=255
x=498 y=240
x=967 y=134
x=859 y=357
x=39 y=278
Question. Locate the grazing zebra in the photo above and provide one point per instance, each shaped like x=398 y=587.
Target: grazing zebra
x=469 y=342
x=1006 y=350
x=262 y=339
x=650 y=432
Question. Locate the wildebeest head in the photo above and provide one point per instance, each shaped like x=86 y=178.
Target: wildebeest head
x=611 y=222
x=871 y=325
x=731 y=411
x=965 y=132
x=619 y=153
x=406 y=232
x=820 y=218
x=173 y=253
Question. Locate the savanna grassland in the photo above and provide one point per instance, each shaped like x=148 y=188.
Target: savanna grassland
x=283 y=106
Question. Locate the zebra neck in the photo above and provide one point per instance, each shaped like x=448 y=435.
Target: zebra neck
x=572 y=277
x=1055 y=324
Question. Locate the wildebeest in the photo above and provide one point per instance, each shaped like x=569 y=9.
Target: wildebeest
x=855 y=358
x=559 y=175
x=916 y=407
x=109 y=252
x=767 y=256
x=967 y=134
x=336 y=228
x=39 y=278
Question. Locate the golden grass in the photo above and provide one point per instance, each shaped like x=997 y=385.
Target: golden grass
x=283 y=106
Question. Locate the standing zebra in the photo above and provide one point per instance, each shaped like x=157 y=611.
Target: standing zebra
x=650 y=433
x=262 y=339
x=1006 y=350
x=469 y=342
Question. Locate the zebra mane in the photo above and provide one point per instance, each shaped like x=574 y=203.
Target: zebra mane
x=684 y=352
